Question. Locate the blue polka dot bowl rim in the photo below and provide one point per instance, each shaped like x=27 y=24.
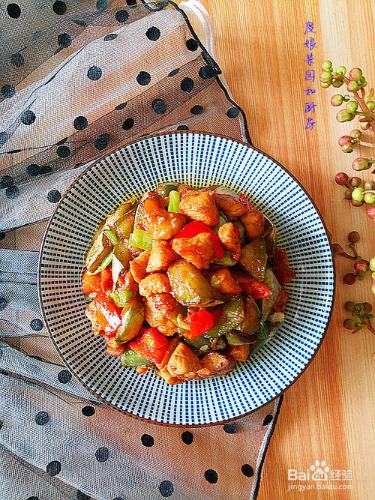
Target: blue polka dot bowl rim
x=197 y=159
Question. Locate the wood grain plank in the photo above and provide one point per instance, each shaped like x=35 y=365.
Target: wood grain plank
x=328 y=414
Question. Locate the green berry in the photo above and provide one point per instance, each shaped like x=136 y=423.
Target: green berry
x=369 y=185
x=353 y=86
x=352 y=106
x=356 y=134
x=361 y=164
x=355 y=181
x=357 y=194
x=355 y=74
x=364 y=125
x=344 y=116
x=371 y=105
x=324 y=85
x=326 y=77
x=369 y=198
x=372 y=264
x=337 y=100
x=326 y=65
x=341 y=70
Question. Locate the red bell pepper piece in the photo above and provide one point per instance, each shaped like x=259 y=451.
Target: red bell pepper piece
x=104 y=314
x=90 y=283
x=194 y=228
x=151 y=345
x=281 y=268
x=256 y=289
x=200 y=322
x=106 y=281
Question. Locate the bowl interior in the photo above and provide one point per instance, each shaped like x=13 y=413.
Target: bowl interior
x=198 y=160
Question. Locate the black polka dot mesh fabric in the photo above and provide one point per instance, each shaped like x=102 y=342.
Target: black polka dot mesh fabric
x=79 y=80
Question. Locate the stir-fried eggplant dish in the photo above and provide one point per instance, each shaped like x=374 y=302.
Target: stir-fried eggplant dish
x=185 y=281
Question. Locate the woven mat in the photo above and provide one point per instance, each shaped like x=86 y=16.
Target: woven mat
x=78 y=80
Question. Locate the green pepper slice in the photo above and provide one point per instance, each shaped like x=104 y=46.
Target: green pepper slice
x=254 y=258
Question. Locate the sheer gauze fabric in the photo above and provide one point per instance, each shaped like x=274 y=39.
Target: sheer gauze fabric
x=80 y=79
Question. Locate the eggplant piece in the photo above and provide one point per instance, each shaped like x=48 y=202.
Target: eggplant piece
x=124 y=226
x=241 y=229
x=235 y=338
x=132 y=320
x=122 y=253
x=159 y=223
x=205 y=344
x=232 y=317
x=132 y=358
x=252 y=317
x=189 y=286
x=271 y=281
x=254 y=258
x=202 y=343
x=115 y=217
x=222 y=220
x=101 y=244
x=100 y=248
x=165 y=188
x=270 y=237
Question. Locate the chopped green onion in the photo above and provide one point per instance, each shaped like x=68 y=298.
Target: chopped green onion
x=120 y=298
x=104 y=263
x=111 y=235
x=174 y=201
x=140 y=239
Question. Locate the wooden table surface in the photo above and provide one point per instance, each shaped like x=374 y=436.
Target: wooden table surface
x=329 y=413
